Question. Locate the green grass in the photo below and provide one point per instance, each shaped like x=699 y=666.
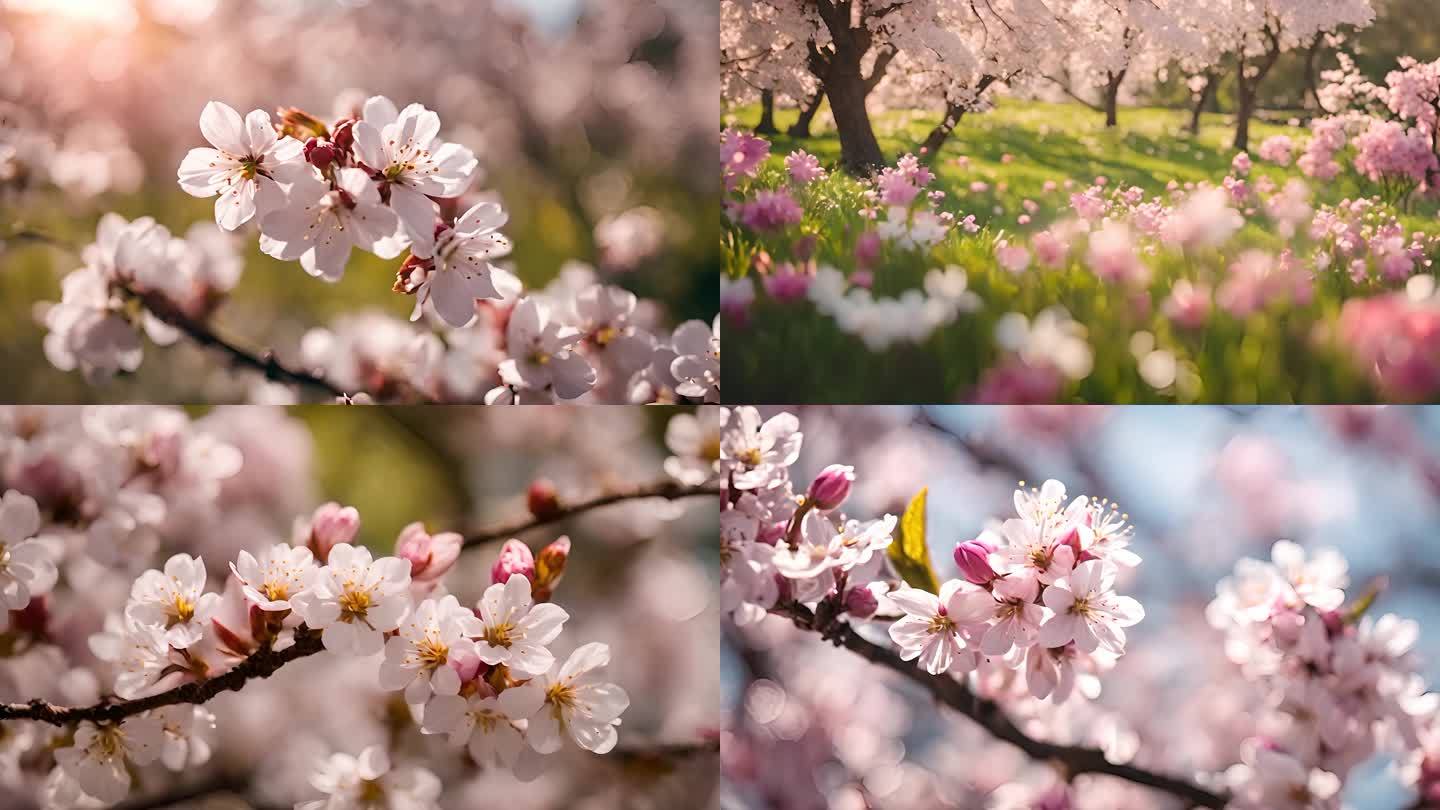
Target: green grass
x=790 y=353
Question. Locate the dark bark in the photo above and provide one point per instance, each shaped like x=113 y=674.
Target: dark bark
x=938 y=135
x=1206 y=93
x=951 y=119
x=767 y=113
x=1247 y=90
x=1310 y=76
x=1112 y=97
x=801 y=127
x=845 y=86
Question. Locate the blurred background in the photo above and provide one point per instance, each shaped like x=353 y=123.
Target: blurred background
x=592 y=119
x=1203 y=486
x=641 y=577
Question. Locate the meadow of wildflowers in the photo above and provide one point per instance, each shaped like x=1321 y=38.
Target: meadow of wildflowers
x=1019 y=250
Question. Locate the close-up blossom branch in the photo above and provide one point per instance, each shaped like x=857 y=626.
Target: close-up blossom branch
x=470 y=652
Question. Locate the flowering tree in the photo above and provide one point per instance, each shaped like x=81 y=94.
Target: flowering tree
x=1254 y=33
x=1034 y=621
x=147 y=571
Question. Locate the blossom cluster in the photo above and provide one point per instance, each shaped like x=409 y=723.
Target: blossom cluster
x=1339 y=684
x=1036 y=594
x=88 y=492
x=381 y=180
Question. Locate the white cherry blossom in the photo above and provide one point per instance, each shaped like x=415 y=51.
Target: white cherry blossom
x=174 y=599
x=369 y=782
x=578 y=704
x=100 y=756
x=418 y=658
x=241 y=167
x=937 y=630
x=278 y=574
x=405 y=148
x=355 y=600
x=1087 y=611
x=542 y=355
x=461 y=271
x=319 y=224
x=514 y=630
x=27 y=563
x=490 y=726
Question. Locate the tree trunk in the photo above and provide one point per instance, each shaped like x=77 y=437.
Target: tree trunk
x=1308 y=76
x=1206 y=93
x=1112 y=97
x=942 y=130
x=1245 y=108
x=767 y=113
x=845 y=87
x=801 y=127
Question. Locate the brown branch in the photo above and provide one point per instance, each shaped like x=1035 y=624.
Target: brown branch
x=200 y=332
x=662 y=753
x=260 y=664
x=1072 y=759
x=668 y=490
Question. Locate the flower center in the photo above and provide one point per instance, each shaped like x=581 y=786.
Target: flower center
x=941 y=624
x=751 y=457
x=1081 y=606
x=276 y=591
x=561 y=696
x=354 y=604
x=710 y=450
x=433 y=652
x=371 y=793
x=540 y=357
x=181 y=610
x=500 y=635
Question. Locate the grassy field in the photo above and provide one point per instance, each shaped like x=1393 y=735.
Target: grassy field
x=276 y=302
x=790 y=353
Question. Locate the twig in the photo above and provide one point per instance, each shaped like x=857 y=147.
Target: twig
x=201 y=333
x=664 y=489
x=666 y=752
x=260 y=664
x=1073 y=759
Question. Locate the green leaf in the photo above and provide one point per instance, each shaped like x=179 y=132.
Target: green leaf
x=909 y=554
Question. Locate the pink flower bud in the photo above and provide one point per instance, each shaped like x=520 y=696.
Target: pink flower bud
x=542 y=499
x=973 y=557
x=430 y=556
x=550 y=567
x=319 y=153
x=331 y=525
x=466 y=664
x=515 y=558
x=831 y=487
x=861 y=603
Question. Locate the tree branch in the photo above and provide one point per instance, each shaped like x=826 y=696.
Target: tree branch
x=201 y=333
x=668 y=490
x=260 y=664
x=1073 y=759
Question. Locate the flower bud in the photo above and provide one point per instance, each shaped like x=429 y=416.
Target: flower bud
x=466 y=664
x=973 y=557
x=861 y=603
x=542 y=498
x=831 y=487
x=320 y=153
x=515 y=558
x=331 y=525
x=430 y=556
x=550 y=567
x=344 y=135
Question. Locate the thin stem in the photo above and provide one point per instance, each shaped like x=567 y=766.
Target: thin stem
x=1072 y=759
x=669 y=490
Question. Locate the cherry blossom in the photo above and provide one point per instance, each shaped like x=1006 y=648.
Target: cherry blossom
x=281 y=572
x=491 y=727
x=578 y=704
x=27 y=566
x=461 y=270
x=368 y=780
x=513 y=630
x=175 y=600
x=1087 y=611
x=243 y=165
x=355 y=599
x=318 y=224
x=100 y=756
x=417 y=659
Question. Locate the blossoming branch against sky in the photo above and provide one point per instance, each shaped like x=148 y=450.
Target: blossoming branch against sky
x=1238 y=621
x=184 y=620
